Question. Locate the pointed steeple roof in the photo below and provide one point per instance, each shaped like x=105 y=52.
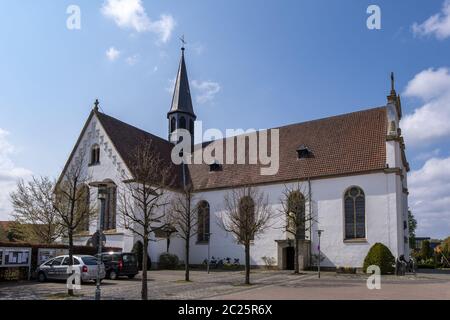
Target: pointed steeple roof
x=182 y=101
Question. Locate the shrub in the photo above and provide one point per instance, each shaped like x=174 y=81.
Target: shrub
x=380 y=255
x=168 y=261
x=426 y=252
x=269 y=262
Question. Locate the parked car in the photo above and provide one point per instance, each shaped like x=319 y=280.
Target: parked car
x=118 y=264
x=56 y=268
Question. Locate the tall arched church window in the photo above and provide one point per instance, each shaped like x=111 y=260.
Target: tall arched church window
x=247 y=216
x=355 y=213
x=109 y=220
x=203 y=222
x=296 y=210
x=83 y=208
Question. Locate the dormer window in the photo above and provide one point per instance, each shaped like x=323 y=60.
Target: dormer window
x=95 y=155
x=214 y=167
x=303 y=152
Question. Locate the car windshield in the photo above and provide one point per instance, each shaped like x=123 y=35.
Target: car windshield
x=129 y=258
x=89 y=261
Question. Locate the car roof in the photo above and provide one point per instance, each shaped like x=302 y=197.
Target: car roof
x=75 y=256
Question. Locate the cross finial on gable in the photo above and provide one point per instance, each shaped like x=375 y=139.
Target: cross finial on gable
x=96 y=104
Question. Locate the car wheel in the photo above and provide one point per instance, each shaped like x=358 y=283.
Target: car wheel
x=42 y=277
x=112 y=275
x=131 y=276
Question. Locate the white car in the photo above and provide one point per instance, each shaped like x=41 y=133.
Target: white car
x=56 y=268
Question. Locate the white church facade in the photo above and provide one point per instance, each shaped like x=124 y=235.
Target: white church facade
x=353 y=167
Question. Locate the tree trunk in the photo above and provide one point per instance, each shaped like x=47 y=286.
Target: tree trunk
x=296 y=265
x=70 y=234
x=186 y=265
x=247 y=263
x=144 y=292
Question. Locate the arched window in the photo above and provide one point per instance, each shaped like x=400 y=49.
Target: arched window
x=83 y=208
x=247 y=217
x=173 y=125
x=191 y=126
x=183 y=123
x=95 y=155
x=296 y=214
x=203 y=211
x=109 y=220
x=355 y=213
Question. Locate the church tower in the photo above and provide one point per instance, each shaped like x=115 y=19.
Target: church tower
x=181 y=114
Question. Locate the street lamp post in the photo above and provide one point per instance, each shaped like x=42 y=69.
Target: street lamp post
x=102 y=188
x=319 y=233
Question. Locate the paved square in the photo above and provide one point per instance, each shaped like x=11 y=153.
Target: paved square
x=270 y=285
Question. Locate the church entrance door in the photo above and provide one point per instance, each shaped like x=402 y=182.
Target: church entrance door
x=290 y=258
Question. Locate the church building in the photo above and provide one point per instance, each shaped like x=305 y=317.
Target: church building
x=352 y=167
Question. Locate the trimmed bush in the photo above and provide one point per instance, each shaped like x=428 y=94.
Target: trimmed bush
x=380 y=255
x=426 y=252
x=168 y=261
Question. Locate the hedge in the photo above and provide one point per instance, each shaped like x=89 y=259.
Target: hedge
x=380 y=255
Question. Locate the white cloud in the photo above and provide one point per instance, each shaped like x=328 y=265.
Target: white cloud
x=430 y=197
x=131 y=14
x=424 y=156
x=430 y=121
x=163 y=27
x=9 y=174
x=206 y=90
x=132 y=60
x=112 y=54
x=437 y=25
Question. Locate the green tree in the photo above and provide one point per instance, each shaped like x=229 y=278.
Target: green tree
x=446 y=247
x=426 y=252
x=412 y=226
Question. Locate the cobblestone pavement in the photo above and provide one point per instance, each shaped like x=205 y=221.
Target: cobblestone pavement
x=228 y=285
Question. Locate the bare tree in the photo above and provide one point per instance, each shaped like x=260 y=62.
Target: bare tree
x=297 y=220
x=72 y=199
x=34 y=210
x=184 y=219
x=247 y=214
x=168 y=229
x=143 y=198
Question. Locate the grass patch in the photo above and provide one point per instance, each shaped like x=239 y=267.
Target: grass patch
x=183 y=281
x=64 y=296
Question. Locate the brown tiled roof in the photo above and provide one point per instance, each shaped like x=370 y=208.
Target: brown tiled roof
x=5 y=225
x=341 y=145
x=127 y=138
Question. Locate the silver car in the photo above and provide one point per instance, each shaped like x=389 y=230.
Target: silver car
x=56 y=268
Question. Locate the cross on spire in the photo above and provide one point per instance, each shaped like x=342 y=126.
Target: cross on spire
x=183 y=42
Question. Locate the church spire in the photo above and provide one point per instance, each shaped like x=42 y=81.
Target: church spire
x=181 y=114
x=182 y=101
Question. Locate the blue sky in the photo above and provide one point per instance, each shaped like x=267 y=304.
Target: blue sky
x=252 y=64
